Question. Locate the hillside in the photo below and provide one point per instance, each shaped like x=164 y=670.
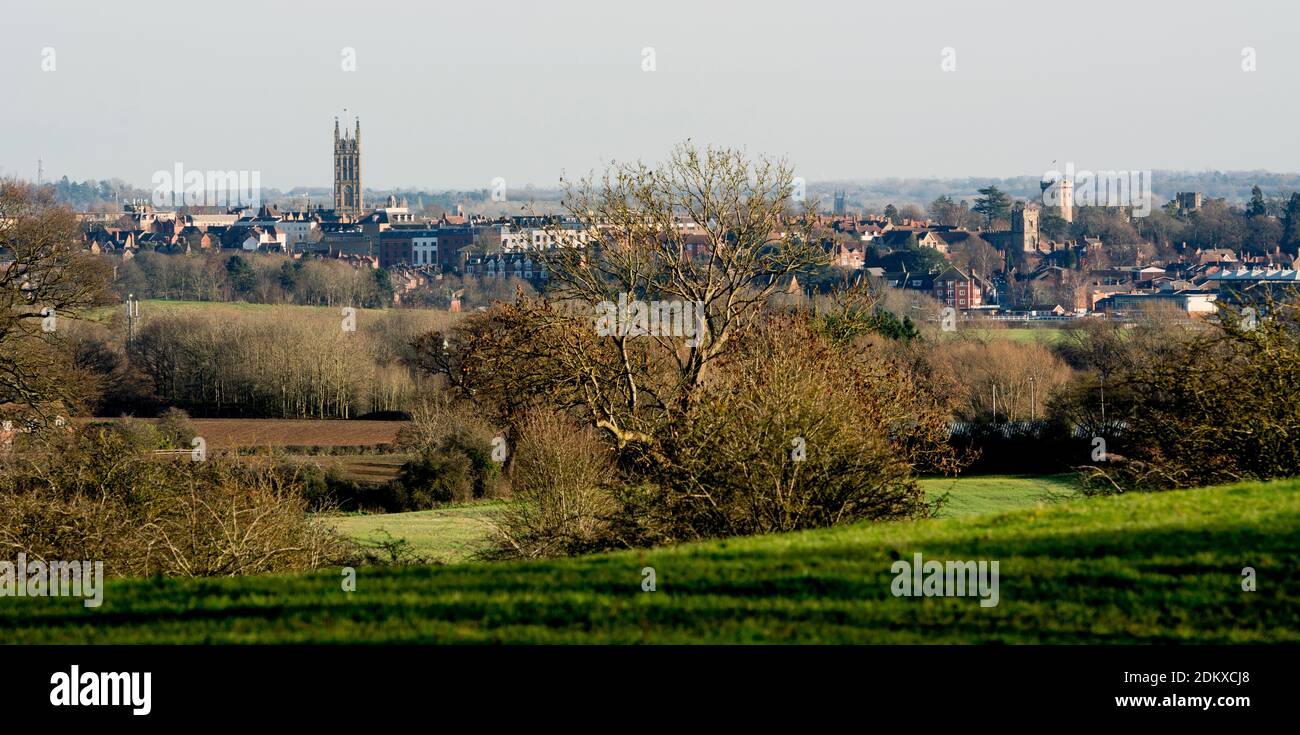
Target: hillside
x=1159 y=568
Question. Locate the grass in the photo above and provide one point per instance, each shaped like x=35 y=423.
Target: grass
x=445 y=535
x=1048 y=335
x=1144 y=568
x=976 y=494
x=175 y=305
x=454 y=534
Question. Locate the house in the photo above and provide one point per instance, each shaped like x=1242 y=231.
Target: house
x=1216 y=256
x=914 y=281
x=848 y=254
x=955 y=288
x=501 y=265
x=257 y=238
x=899 y=239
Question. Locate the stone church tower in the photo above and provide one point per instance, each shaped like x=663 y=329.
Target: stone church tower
x=347 y=171
x=1024 y=229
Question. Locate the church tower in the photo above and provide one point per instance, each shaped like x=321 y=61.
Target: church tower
x=347 y=171
x=1024 y=229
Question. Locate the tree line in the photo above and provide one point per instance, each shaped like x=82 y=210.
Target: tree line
x=264 y=278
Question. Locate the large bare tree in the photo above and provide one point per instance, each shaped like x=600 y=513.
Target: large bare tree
x=709 y=232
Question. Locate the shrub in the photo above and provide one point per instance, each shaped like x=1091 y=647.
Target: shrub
x=459 y=468
x=561 y=478
x=1192 y=404
x=94 y=494
x=174 y=429
x=436 y=418
x=791 y=433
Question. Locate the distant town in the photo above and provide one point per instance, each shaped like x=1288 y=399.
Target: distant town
x=998 y=257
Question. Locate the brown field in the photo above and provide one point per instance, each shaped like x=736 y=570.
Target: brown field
x=232 y=433
x=242 y=433
x=364 y=468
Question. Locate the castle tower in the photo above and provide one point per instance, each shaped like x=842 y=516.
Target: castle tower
x=1065 y=199
x=1024 y=229
x=347 y=171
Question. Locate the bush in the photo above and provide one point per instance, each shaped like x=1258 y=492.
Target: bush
x=96 y=495
x=791 y=433
x=1019 y=448
x=561 y=479
x=175 y=429
x=459 y=469
x=708 y=457
x=1194 y=404
x=453 y=456
x=326 y=489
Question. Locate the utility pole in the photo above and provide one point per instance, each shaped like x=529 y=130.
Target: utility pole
x=995 y=403
x=1032 y=414
x=1103 y=398
x=132 y=314
x=40 y=171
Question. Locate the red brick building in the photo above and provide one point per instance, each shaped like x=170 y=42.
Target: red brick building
x=957 y=289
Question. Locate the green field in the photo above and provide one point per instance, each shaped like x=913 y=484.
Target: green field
x=1142 y=568
x=454 y=534
x=1047 y=335
x=974 y=494
x=445 y=535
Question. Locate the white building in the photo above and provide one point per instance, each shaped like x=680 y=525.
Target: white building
x=515 y=241
x=424 y=250
x=263 y=238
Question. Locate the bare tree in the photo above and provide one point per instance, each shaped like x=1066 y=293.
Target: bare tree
x=707 y=227
x=45 y=276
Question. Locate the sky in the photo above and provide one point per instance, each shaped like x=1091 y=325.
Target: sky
x=454 y=95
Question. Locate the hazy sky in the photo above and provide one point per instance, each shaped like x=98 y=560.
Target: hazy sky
x=451 y=95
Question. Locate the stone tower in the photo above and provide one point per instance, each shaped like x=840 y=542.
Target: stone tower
x=1065 y=199
x=1024 y=229
x=347 y=171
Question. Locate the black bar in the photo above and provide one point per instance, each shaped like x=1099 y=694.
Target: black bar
x=871 y=685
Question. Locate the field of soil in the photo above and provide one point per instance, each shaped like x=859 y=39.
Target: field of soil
x=230 y=433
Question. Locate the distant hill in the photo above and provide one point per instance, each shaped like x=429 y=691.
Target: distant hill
x=874 y=194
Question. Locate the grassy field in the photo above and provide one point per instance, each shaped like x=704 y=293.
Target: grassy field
x=445 y=535
x=454 y=534
x=1047 y=335
x=974 y=494
x=1146 y=568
